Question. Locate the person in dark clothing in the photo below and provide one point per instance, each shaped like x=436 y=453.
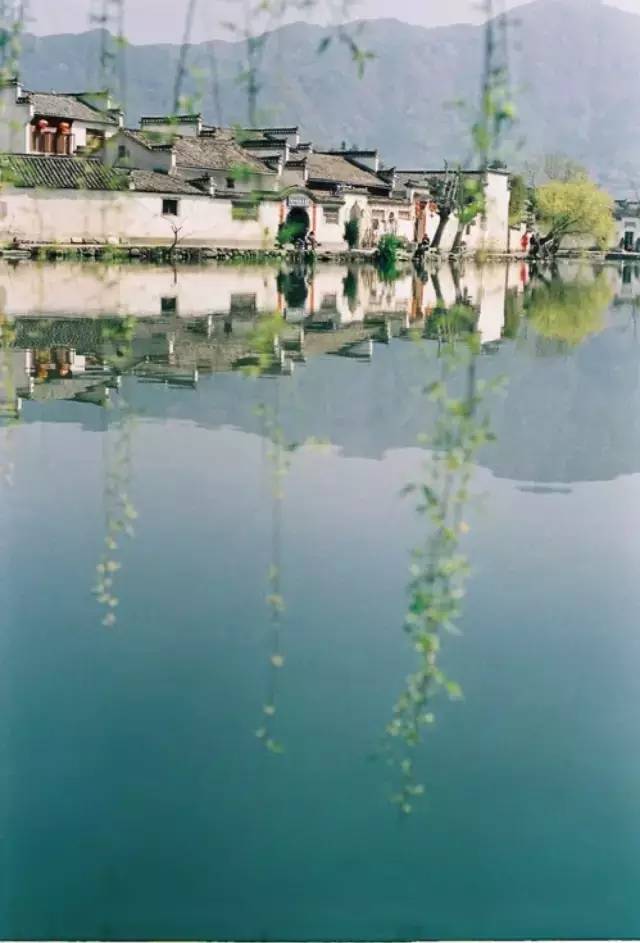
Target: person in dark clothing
x=423 y=247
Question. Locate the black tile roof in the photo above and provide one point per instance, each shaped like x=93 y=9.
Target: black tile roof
x=59 y=173
x=53 y=105
x=150 y=181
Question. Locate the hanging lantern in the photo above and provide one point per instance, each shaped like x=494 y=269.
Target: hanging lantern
x=64 y=127
x=43 y=124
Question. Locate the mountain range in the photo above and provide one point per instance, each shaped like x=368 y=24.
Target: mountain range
x=572 y=65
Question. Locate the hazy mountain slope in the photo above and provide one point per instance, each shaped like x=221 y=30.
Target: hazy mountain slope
x=573 y=64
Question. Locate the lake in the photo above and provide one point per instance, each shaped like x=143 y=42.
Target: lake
x=206 y=727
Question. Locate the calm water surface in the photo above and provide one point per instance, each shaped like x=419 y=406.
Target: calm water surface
x=136 y=799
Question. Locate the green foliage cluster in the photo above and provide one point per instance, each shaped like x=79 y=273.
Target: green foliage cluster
x=439 y=569
x=566 y=312
x=352 y=233
x=387 y=256
x=120 y=513
x=518 y=199
x=576 y=207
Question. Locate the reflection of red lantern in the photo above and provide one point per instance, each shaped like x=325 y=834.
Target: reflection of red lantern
x=64 y=127
x=42 y=124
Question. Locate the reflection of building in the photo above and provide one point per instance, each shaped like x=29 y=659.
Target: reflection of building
x=339 y=294
x=64 y=315
x=16 y=380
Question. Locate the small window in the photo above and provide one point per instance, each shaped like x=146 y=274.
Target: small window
x=122 y=151
x=329 y=302
x=244 y=211
x=169 y=305
x=231 y=184
x=169 y=207
x=246 y=303
x=331 y=216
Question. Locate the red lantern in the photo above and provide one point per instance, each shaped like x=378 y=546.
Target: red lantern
x=64 y=127
x=43 y=124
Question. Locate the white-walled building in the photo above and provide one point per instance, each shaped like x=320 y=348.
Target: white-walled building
x=175 y=179
x=52 y=123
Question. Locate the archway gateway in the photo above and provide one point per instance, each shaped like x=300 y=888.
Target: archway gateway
x=297 y=223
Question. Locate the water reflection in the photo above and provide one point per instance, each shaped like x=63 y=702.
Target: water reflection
x=78 y=345
x=173 y=701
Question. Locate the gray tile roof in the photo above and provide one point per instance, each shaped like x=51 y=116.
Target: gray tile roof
x=53 y=105
x=59 y=173
x=218 y=151
x=337 y=169
x=152 y=140
x=150 y=181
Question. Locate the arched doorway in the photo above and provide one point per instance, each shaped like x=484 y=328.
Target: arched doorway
x=297 y=224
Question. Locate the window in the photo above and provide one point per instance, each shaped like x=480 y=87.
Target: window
x=329 y=302
x=244 y=211
x=169 y=305
x=404 y=214
x=331 y=216
x=169 y=207
x=231 y=184
x=243 y=303
x=122 y=151
x=95 y=139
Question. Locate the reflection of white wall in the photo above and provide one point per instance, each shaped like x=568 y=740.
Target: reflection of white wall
x=81 y=290
x=18 y=365
x=489 y=294
x=92 y=290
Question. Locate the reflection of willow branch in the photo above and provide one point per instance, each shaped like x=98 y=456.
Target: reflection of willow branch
x=439 y=570
x=119 y=510
x=266 y=354
x=9 y=409
x=278 y=456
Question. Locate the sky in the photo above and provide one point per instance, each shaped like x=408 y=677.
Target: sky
x=151 y=21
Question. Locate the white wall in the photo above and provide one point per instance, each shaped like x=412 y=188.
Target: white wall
x=170 y=127
x=137 y=155
x=490 y=231
x=15 y=134
x=129 y=217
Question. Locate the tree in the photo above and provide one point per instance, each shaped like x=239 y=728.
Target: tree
x=352 y=233
x=541 y=170
x=568 y=312
x=576 y=207
x=469 y=204
x=518 y=199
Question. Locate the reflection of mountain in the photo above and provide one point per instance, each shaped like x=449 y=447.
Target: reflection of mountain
x=566 y=417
